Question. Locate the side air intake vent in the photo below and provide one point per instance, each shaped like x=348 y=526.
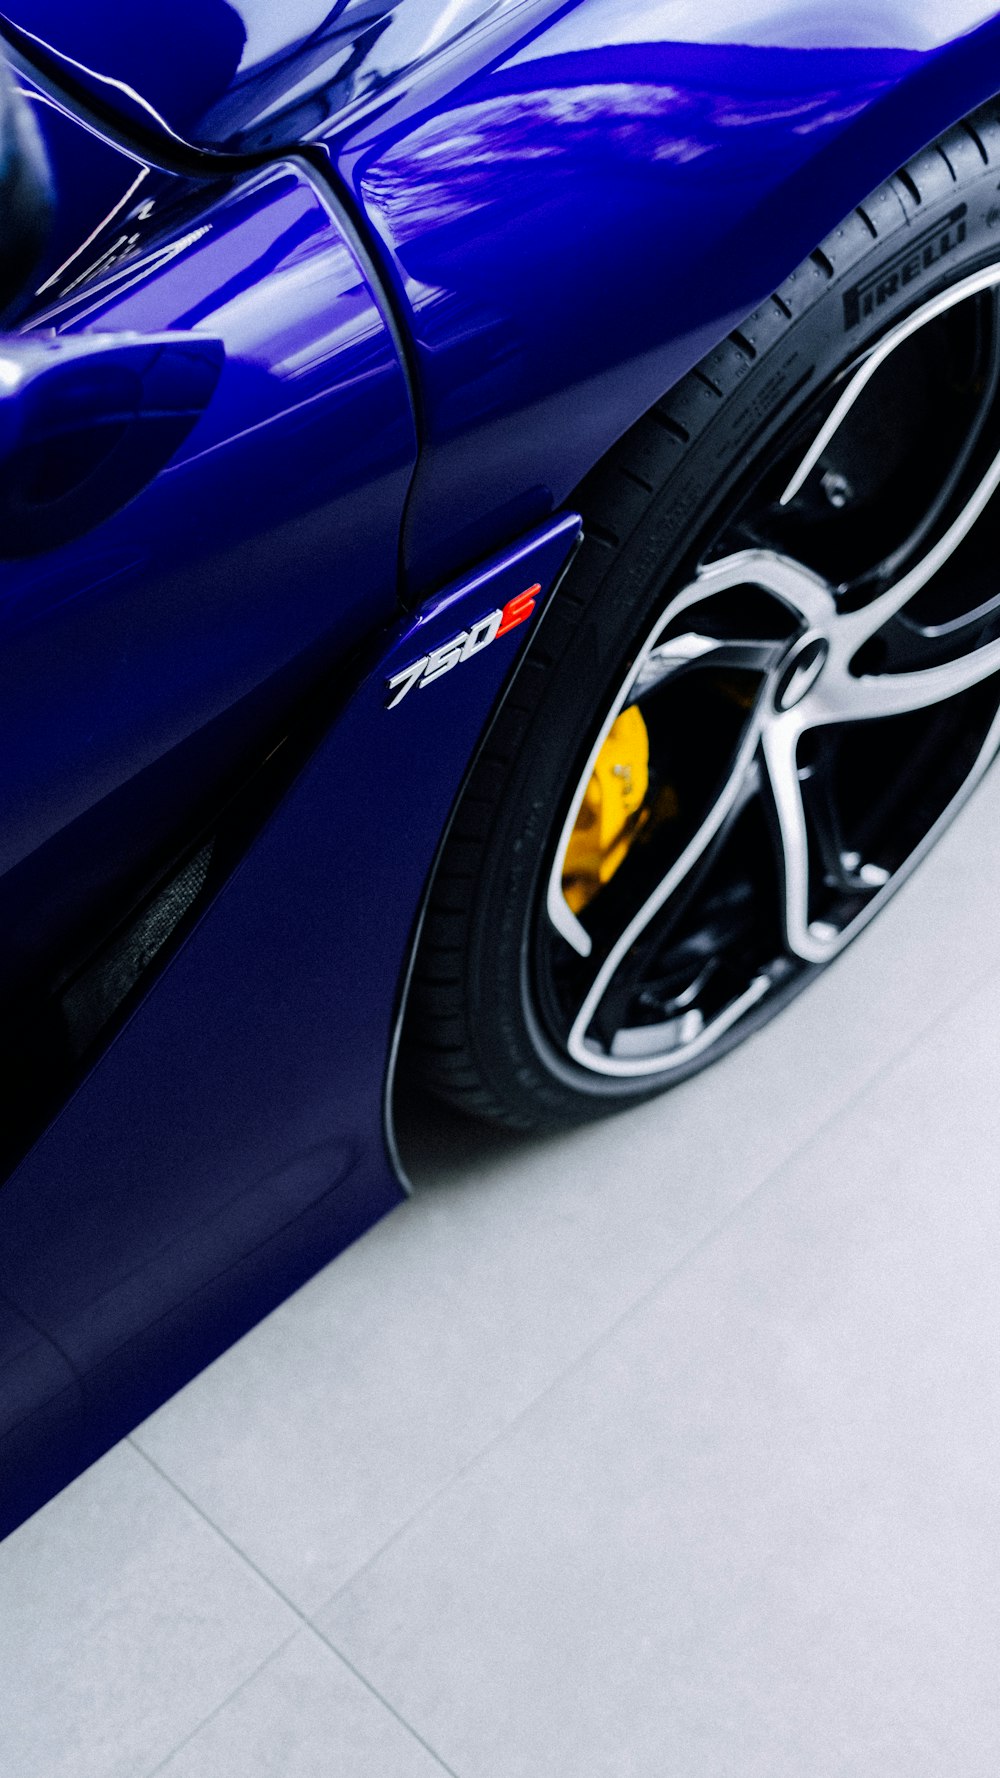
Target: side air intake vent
x=96 y=993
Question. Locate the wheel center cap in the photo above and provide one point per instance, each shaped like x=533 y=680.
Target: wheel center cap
x=800 y=670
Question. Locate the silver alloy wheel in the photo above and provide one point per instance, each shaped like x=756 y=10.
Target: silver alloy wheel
x=803 y=685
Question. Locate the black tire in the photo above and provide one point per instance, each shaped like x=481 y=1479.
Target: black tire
x=480 y=1027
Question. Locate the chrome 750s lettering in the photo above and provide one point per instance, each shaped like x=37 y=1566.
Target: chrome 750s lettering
x=462 y=647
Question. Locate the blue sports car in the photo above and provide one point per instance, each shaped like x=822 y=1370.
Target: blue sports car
x=498 y=540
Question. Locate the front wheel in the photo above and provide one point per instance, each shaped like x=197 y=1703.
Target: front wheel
x=769 y=680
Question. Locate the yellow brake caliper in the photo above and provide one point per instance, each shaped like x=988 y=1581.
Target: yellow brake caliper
x=611 y=813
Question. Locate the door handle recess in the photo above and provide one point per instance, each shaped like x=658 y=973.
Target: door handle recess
x=87 y=421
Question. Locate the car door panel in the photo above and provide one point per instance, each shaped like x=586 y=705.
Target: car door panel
x=152 y=657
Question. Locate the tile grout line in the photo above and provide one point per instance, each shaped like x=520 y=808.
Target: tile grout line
x=672 y=1271
x=264 y=1664
x=305 y=1623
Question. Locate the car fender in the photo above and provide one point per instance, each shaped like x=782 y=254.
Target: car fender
x=574 y=225
x=234 y=1135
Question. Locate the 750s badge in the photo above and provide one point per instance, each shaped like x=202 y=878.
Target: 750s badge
x=461 y=647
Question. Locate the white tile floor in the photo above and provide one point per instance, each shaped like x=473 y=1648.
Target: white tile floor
x=671 y=1447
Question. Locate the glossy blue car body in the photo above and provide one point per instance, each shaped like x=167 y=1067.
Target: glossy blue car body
x=342 y=302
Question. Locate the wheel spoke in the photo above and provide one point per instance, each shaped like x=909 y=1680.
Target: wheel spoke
x=906 y=511
x=853 y=389
x=856 y=627
x=656 y=663
x=841 y=697
x=693 y=649
x=610 y=1012
x=844 y=869
x=802 y=591
x=740 y=786
x=809 y=942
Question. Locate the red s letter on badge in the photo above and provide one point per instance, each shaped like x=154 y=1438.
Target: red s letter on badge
x=517 y=611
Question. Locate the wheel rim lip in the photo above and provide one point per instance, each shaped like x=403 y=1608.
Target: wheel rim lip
x=798 y=713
